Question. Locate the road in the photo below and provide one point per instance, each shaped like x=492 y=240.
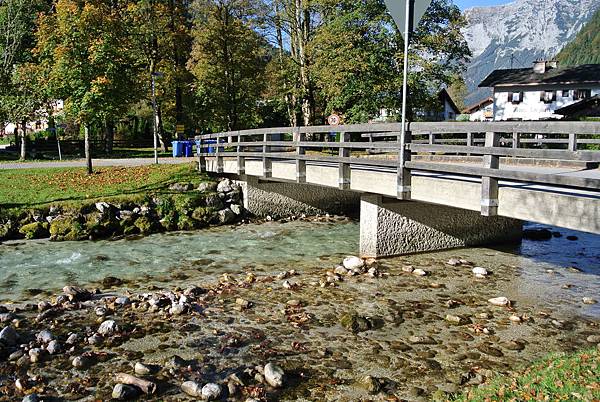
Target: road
x=97 y=163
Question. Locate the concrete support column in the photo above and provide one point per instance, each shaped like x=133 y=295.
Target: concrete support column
x=390 y=228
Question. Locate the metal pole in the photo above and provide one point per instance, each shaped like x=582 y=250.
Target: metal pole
x=59 y=151
x=155 y=118
x=405 y=79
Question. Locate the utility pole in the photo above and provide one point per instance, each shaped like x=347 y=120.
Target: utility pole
x=155 y=114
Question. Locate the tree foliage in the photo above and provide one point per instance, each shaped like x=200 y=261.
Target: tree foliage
x=585 y=48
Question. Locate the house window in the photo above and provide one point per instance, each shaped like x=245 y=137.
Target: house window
x=582 y=94
x=548 y=96
x=515 y=97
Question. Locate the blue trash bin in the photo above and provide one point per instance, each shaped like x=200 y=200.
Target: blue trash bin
x=177 y=149
x=188 y=149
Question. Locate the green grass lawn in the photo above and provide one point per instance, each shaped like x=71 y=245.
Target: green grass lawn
x=560 y=377
x=28 y=188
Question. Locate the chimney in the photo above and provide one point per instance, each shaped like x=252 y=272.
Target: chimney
x=543 y=66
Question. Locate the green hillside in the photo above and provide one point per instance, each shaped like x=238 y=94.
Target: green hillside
x=585 y=49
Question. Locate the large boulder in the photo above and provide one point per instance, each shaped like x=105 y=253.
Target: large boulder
x=146 y=225
x=35 y=230
x=214 y=201
x=67 y=228
x=203 y=215
x=226 y=216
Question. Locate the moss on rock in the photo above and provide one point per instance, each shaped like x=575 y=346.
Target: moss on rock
x=203 y=215
x=186 y=223
x=145 y=225
x=185 y=204
x=36 y=230
x=67 y=228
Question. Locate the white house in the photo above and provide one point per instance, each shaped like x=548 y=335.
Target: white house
x=482 y=111
x=537 y=93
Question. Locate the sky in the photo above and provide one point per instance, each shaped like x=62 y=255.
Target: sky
x=463 y=4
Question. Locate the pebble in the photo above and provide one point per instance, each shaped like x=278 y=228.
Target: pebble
x=108 y=328
x=9 y=336
x=122 y=301
x=80 y=362
x=339 y=270
x=211 y=391
x=36 y=355
x=500 y=301
x=593 y=339
x=44 y=337
x=100 y=311
x=274 y=375
x=589 y=300
x=480 y=272
x=44 y=305
x=408 y=268
x=53 y=347
x=72 y=339
x=373 y=272
x=370 y=384
x=419 y=272
x=243 y=303
x=124 y=392
x=192 y=388
x=515 y=318
x=454 y=262
x=177 y=309
x=142 y=369
x=353 y=262
x=456 y=319
x=95 y=340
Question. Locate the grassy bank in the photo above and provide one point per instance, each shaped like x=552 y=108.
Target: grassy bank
x=560 y=377
x=28 y=188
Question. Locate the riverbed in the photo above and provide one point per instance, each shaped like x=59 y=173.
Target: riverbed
x=423 y=336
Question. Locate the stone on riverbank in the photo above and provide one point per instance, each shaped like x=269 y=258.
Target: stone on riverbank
x=108 y=328
x=500 y=301
x=351 y=263
x=274 y=375
x=355 y=323
x=124 y=392
x=9 y=336
x=36 y=230
x=211 y=391
x=192 y=388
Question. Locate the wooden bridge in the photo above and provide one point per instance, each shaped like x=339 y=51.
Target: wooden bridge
x=545 y=172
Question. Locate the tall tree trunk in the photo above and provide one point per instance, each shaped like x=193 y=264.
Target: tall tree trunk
x=23 y=140
x=109 y=136
x=88 y=151
x=302 y=17
x=289 y=98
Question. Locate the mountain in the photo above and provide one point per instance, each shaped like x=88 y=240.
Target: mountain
x=518 y=33
x=585 y=49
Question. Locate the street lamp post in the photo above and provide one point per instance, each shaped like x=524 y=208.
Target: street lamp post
x=155 y=75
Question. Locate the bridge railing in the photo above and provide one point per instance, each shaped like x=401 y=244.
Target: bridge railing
x=381 y=145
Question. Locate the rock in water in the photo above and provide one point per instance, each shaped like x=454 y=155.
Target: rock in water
x=355 y=323
x=499 y=301
x=480 y=271
x=353 y=262
x=31 y=398
x=123 y=392
x=419 y=272
x=142 y=369
x=192 y=388
x=589 y=300
x=211 y=391
x=108 y=328
x=274 y=375
x=370 y=384
x=9 y=336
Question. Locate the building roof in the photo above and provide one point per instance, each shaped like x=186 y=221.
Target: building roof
x=592 y=103
x=445 y=96
x=475 y=107
x=584 y=74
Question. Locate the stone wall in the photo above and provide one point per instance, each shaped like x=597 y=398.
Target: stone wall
x=288 y=199
x=397 y=228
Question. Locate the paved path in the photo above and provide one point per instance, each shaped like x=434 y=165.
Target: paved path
x=96 y=162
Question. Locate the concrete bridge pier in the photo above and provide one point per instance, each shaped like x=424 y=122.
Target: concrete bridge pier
x=389 y=227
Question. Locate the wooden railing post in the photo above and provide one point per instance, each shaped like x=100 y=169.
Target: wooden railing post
x=404 y=155
x=201 y=157
x=573 y=142
x=344 y=175
x=300 y=151
x=489 y=185
x=267 y=163
x=469 y=141
x=431 y=138
x=516 y=140
x=241 y=160
x=220 y=167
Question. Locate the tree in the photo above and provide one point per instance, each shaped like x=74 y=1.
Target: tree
x=20 y=97
x=84 y=47
x=358 y=56
x=228 y=60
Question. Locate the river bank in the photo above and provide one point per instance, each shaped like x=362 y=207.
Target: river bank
x=385 y=333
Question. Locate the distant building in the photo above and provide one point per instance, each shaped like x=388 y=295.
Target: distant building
x=589 y=107
x=482 y=111
x=35 y=126
x=444 y=110
x=538 y=93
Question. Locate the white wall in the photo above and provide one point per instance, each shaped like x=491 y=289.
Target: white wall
x=480 y=115
x=531 y=107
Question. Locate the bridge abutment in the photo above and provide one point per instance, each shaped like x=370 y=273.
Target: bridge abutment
x=391 y=227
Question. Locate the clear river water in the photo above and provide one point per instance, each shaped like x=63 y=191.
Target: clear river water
x=30 y=267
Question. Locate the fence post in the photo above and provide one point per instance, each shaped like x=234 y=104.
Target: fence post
x=201 y=158
x=516 y=142
x=300 y=151
x=404 y=155
x=489 y=185
x=431 y=138
x=267 y=163
x=344 y=172
x=220 y=167
x=573 y=142
x=469 y=141
x=241 y=159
